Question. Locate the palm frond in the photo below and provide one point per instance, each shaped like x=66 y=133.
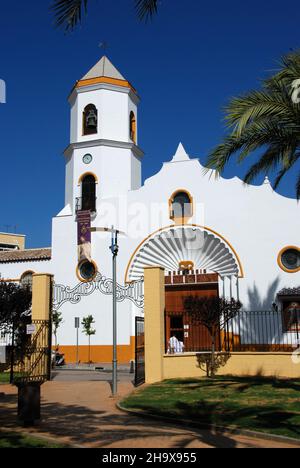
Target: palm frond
x=266 y=119
x=290 y=67
x=294 y=158
x=257 y=135
x=68 y=13
x=257 y=104
x=269 y=132
x=219 y=156
x=268 y=161
x=146 y=9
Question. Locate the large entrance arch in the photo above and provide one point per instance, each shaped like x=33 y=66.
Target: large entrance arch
x=200 y=246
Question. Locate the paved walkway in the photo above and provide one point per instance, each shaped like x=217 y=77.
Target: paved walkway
x=77 y=409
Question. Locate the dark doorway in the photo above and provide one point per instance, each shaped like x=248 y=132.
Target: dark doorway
x=139 y=377
x=187 y=329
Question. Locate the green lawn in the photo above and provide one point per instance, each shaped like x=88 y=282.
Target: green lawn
x=17 y=440
x=4 y=377
x=260 y=404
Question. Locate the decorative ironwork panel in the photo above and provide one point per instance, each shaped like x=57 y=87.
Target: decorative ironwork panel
x=133 y=292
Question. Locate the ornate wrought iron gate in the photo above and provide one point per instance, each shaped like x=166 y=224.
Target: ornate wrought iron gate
x=31 y=354
x=139 y=351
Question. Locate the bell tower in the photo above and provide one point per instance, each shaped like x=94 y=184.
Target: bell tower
x=104 y=136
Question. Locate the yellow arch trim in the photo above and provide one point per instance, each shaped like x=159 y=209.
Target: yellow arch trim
x=280 y=264
x=241 y=275
x=26 y=273
x=87 y=174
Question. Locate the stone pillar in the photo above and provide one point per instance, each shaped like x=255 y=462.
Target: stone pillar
x=41 y=310
x=41 y=296
x=154 y=285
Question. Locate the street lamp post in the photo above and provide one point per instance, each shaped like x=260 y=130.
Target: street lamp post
x=114 y=250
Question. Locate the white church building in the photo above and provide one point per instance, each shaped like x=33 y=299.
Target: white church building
x=201 y=229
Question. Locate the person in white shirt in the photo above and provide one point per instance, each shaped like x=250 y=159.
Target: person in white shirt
x=175 y=346
x=180 y=347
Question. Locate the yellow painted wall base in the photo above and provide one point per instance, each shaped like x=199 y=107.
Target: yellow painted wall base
x=241 y=364
x=99 y=354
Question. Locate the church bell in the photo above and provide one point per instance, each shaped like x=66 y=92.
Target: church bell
x=91 y=119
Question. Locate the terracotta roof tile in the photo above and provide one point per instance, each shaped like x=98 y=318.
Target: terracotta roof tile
x=290 y=292
x=28 y=255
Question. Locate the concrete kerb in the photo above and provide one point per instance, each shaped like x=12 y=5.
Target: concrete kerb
x=190 y=425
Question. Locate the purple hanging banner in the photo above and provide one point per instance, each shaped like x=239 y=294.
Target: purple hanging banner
x=84 y=235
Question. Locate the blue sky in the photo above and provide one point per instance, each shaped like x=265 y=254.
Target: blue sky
x=185 y=64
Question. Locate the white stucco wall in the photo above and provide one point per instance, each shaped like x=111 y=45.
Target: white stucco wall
x=14 y=270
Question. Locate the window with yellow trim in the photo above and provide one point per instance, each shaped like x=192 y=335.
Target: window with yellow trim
x=181 y=205
x=132 y=127
x=86 y=271
x=289 y=259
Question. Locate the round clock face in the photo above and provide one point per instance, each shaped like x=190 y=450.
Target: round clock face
x=87 y=158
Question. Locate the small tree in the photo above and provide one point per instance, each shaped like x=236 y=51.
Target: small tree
x=213 y=313
x=56 y=321
x=15 y=302
x=15 y=314
x=87 y=323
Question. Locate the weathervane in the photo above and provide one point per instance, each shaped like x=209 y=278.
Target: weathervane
x=103 y=45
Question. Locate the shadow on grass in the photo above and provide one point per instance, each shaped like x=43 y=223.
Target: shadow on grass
x=271 y=418
x=231 y=381
x=254 y=403
x=214 y=416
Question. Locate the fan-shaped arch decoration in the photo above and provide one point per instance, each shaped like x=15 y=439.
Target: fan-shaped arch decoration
x=173 y=245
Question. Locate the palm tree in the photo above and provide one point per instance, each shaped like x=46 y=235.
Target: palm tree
x=267 y=120
x=68 y=13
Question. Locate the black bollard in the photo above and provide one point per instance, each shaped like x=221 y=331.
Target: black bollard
x=29 y=402
x=132 y=366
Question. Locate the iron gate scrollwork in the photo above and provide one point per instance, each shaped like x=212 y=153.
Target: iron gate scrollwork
x=133 y=291
x=139 y=377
